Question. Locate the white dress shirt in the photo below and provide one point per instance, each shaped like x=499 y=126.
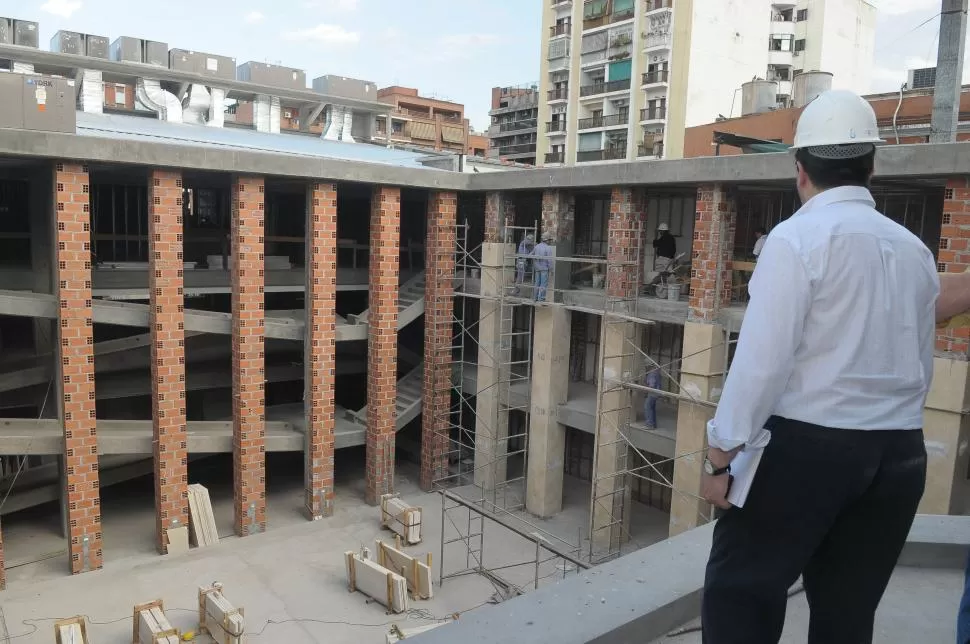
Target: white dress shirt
x=759 y=245
x=840 y=329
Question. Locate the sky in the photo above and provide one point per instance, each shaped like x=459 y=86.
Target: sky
x=450 y=49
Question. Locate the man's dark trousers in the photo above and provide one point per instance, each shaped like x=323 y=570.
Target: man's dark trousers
x=832 y=505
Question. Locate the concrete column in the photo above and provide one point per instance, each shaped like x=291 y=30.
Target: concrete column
x=609 y=514
x=702 y=370
x=558 y=218
x=41 y=253
x=499 y=213
x=949 y=71
x=550 y=388
x=248 y=341
x=167 y=330
x=385 y=243
x=319 y=348
x=494 y=355
x=75 y=353
x=438 y=331
x=946 y=427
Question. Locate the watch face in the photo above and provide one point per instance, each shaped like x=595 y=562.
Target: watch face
x=708 y=466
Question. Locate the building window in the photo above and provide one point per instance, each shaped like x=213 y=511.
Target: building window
x=397 y=127
x=780 y=42
x=797 y=72
x=801 y=15
x=800 y=44
x=119 y=94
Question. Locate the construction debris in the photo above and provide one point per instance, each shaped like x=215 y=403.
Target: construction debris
x=203 y=523
x=396 y=634
x=150 y=626
x=376 y=581
x=417 y=573
x=402 y=518
x=218 y=618
x=71 y=631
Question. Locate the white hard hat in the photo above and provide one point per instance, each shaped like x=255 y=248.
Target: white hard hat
x=663 y=227
x=839 y=124
x=529 y=237
x=546 y=236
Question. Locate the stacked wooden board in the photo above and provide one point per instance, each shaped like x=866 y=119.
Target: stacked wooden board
x=398 y=516
x=397 y=633
x=150 y=626
x=201 y=520
x=376 y=581
x=71 y=631
x=218 y=618
x=416 y=573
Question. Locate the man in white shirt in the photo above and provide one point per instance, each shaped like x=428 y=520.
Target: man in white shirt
x=829 y=379
x=761 y=234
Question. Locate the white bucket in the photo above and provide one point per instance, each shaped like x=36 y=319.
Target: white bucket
x=673 y=292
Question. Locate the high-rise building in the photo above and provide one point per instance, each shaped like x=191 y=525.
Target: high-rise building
x=622 y=79
x=512 y=134
x=422 y=121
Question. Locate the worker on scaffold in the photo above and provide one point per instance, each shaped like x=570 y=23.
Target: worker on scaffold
x=541 y=265
x=521 y=260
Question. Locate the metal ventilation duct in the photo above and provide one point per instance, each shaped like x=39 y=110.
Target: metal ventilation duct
x=333 y=123
x=347 y=133
x=152 y=96
x=92 y=92
x=195 y=107
x=22 y=68
x=217 y=107
x=266 y=114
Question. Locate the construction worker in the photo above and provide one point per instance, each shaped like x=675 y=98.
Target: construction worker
x=835 y=418
x=760 y=235
x=541 y=266
x=665 y=247
x=521 y=261
x=654 y=381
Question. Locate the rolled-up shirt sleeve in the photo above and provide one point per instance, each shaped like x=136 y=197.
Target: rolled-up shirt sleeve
x=781 y=293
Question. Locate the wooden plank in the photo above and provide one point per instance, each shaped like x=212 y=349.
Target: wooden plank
x=203 y=522
x=195 y=521
x=376 y=581
x=416 y=572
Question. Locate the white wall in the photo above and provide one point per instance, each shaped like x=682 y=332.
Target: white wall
x=848 y=43
x=729 y=46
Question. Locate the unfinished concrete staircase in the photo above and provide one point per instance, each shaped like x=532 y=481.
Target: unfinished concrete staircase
x=410 y=303
x=407 y=405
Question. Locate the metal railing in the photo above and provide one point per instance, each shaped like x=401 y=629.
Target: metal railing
x=604 y=121
x=650 y=149
x=520 y=148
x=603 y=88
x=659 y=76
x=624 y=14
x=555 y=157
x=556 y=126
x=560 y=30
x=559 y=94
x=517 y=125
x=656 y=39
x=606 y=154
x=654 y=5
x=653 y=113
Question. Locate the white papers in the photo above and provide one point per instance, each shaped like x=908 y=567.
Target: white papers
x=743 y=468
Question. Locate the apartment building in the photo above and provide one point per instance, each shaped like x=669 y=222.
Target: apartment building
x=622 y=79
x=514 y=128
x=423 y=122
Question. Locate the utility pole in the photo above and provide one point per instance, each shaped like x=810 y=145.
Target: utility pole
x=949 y=71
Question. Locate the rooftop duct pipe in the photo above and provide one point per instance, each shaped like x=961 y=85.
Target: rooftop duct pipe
x=217 y=107
x=195 y=107
x=152 y=96
x=333 y=123
x=92 y=92
x=347 y=133
x=266 y=114
x=22 y=68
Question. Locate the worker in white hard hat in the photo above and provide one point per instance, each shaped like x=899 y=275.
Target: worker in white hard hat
x=665 y=248
x=816 y=450
x=541 y=265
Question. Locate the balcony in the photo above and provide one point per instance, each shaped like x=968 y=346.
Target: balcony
x=558 y=94
x=652 y=145
x=612 y=120
x=655 y=78
x=560 y=30
x=557 y=3
x=521 y=148
x=604 y=88
x=653 y=114
x=556 y=126
x=515 y=126
x=596 y=13
x=555 y=157
x=656 y=40
x=657 y=5
x=610 y=153
x=622 y=15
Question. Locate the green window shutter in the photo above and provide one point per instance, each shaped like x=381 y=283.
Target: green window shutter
x=621 y=70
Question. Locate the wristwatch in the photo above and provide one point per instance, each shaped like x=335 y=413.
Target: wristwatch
x=710 y=470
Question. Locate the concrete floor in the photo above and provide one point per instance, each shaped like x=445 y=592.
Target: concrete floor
x=920 y=605
x=293 y=572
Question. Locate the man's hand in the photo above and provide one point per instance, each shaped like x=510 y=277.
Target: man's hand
x=714 y=489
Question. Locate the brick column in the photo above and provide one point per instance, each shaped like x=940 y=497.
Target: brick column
x=76 y=349
x=499 y=213
x=954 y=257
x=319 y=347
x=169 y=440
x=248 y=400
x=438 y=320
x=385 y=243
x=622 y=239
x=713 y=247
x=702 y=370
x=559 y=219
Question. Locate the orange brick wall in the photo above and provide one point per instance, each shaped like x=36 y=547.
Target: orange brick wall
x=438 y=318
x=76 y=348
x=385 y=242
x=320 y=348
x=954 y=255
x=559 y=214
x=714 y=226
x=248 y=396
x=165 y=278
x=499 y=213
x=623 y=234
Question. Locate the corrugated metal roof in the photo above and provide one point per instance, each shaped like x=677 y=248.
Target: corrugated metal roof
x=117 y=126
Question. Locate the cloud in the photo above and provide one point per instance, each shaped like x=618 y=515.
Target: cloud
x=331 y=5
x=63 y=8
x=324 y=34
x=897 y=7
x=254 y=17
